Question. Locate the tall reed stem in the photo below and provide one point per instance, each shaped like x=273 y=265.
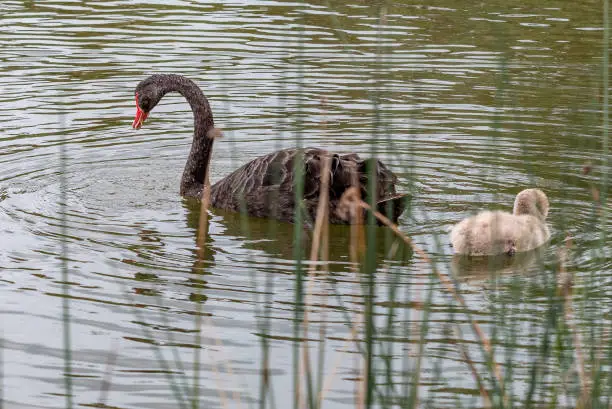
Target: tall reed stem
x=65 y=273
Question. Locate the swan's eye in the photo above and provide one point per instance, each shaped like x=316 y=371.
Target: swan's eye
x=145 y=103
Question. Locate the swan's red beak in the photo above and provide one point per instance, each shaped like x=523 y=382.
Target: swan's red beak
x=140 y=116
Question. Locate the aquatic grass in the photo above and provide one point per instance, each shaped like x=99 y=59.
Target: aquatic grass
x=180 y=393
x=565 y=281
x=263 y=324
x=228 y=368
x=1 y=370
x=298 y=220
x=354 y=243
x=63 y=208
x=352 y=197
x=265 y=385
x=324 y=257
x=424 y=322
x=202 y=235
x=105 y=386
x=388 y=331
x=147 y=334
x=320 y=241
x=358 y=248
x=486 y=399
x=484 y=393
x=365 y=258
x=201 y=244
x=370 y=263
x=178 y=362
x=412 y=400
x=502 y=93
x=605 y=69
x=592 y=382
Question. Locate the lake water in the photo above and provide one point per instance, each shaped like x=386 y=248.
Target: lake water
x=468 y=105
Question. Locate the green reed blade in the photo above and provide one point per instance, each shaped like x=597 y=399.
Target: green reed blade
x=147 y=334
x=298 y=254
x=64 y=267
x=605 y=139
x=1 y=372
x=178 y=362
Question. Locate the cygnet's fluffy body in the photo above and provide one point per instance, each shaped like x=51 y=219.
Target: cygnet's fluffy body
x=497 y=232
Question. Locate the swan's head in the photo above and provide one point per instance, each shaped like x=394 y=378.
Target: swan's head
x=148 y=93
x=533 y=202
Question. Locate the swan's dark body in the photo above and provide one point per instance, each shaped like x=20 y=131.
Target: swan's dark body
x=265 y=186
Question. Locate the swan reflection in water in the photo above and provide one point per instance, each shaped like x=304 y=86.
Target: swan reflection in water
x=467 y=267
x=277 y=239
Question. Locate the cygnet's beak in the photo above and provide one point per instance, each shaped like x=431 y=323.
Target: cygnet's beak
x=140 y=116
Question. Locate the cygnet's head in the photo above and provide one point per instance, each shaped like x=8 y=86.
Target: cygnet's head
x=533 y=202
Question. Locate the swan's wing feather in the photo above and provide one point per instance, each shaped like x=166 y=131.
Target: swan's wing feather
x=265 y=186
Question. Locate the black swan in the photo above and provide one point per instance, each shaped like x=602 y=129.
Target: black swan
x=264 y=187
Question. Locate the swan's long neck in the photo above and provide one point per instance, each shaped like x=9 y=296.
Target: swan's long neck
x=196 y=167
